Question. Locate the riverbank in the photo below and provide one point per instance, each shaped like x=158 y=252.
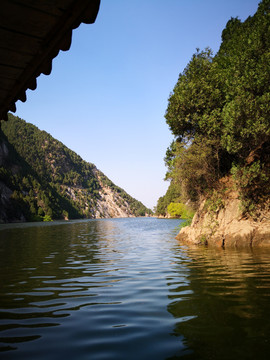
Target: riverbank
x=227 y=227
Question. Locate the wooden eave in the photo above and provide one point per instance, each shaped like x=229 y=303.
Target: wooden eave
x=32 y=32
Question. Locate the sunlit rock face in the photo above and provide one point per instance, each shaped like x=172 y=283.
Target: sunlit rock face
x=227 y=227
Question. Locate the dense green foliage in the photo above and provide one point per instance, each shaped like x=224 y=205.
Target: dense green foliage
x=179 y=210
x=172 y=195
x=219 y=113
x=48 y=180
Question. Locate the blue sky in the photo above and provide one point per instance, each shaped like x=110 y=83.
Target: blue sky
x=106 y=97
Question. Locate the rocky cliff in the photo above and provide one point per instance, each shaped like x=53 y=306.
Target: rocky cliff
x=227 y=227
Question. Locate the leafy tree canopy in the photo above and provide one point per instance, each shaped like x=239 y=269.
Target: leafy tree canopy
x=219 y=113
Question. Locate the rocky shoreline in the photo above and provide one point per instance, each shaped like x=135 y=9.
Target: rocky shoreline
x=226 y=228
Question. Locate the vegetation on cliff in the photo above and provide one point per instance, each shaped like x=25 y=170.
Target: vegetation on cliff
x=219 y=113
x=40 y=178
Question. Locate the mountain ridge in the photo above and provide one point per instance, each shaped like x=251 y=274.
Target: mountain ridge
x=41 y=178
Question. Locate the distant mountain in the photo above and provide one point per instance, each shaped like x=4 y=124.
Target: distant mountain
x=41 y=179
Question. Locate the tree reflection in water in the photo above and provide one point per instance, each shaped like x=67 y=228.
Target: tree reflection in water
x=223 y=308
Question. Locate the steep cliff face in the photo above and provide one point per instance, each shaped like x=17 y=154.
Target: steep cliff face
x=109 y=205
x=227 y=227
x=41 y=178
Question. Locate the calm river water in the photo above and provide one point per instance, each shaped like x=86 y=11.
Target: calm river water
x=126 y=289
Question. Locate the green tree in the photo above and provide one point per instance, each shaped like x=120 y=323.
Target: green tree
x=180 y=210
x=219 y=113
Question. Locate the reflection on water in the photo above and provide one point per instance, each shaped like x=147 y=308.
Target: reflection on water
x=126 y=289
x=226 y=300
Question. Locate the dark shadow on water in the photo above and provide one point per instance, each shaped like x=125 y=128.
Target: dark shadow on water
x=223 y=310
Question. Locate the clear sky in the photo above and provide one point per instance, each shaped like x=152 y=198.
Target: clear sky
x=106 y=97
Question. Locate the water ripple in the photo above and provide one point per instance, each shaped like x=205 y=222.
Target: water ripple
x=125 y=289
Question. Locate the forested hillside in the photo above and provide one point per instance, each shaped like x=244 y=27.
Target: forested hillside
x=219 y=113
x=41 y=179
